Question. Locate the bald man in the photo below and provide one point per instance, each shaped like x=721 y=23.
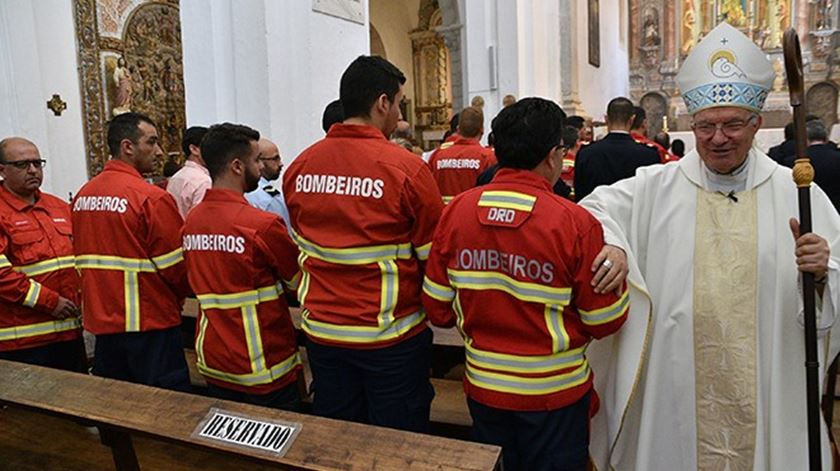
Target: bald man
x=39 y=286
x=267 y=196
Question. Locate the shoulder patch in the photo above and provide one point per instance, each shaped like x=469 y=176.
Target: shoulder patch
x=505 y=208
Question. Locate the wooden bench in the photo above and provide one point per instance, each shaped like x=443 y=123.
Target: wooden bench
x=125 y=409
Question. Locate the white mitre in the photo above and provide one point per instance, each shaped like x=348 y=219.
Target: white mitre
x=725 y=69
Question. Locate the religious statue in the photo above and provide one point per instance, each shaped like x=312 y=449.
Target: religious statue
x=122 y=79
x=651 y=30
x=733 y=11
x=689 y=25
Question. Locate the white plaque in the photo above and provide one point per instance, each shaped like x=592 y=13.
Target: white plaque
x=270 y=436
x=351 y=10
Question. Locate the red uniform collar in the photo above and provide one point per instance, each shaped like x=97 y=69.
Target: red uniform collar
x=16 y=203
x=466 y=141
x=225 y=196
x=115 y=165
x=355 y=130
x=522 y=177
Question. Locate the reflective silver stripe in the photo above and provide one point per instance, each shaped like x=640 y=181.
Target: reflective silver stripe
x=106 y=262
x=43 y=328
x=238 y=300
x=362 y=334
x=522 y=363
x=252 y=379
x=554 y=313
x=518 y=289
x=132 y=302
x=253 y=339
x=526 y=385
x=611 y=312
x=31 y=298
x=507 y=199
x=165 y=261
x=423 y=251
x=390 y=291
x=47 y=266
x=355 y=255
x=199 y=341
x=439 y=292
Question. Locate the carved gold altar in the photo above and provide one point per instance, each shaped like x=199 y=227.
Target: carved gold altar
x=663 y=32
x=432 y=83
x=129 y=60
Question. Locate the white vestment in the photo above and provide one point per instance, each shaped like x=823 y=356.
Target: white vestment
x=645 y=374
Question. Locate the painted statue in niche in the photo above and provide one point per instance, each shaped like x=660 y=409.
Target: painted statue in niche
x=733 y=12
x=650 y=28
x=124 y=88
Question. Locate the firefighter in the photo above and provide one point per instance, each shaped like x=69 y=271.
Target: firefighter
x=240 y=262
x=128 y=250
x=457 y=167
x=518 y=269
x=363 y=212
x=39 y=287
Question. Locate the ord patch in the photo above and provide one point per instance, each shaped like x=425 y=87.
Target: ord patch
x=505 y=208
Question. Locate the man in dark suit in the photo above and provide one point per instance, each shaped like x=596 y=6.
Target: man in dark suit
x=616 y=156
x=824 y=157
x=786 y=148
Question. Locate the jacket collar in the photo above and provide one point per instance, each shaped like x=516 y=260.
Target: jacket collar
x=115 y=165
x=467 y=141
x=355 y=130
x=522 y=177
x=16 y=203
x=224 y=196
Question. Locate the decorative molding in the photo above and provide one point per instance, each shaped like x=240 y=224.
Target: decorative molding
x=87 y=41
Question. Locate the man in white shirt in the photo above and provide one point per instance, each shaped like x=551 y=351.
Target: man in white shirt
x=269 y=196
x=189 y=184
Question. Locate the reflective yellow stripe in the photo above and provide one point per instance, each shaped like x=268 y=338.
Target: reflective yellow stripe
x=4 y=262
x=132 y=301
x=535 y=364
x=165 y=261
x=360 y=334
x=390 y=291
x=265 y=376
x=556 y=327
x=568 y=162
x=447 y=199
x=303 y=289
x=199 y=340
x=507 y=199
x=31 y=298
x=441 y=293
x=423 y=251
x=109 y=262
x=607 y=314
x=46 y=266
x=355 y=255
x=527 y=385
x=524 y=291
x=239 y=300
x=294 y=283
x=42 y=328
x=253 y=339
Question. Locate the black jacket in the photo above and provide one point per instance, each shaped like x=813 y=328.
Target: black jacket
x=613 y=158
x=825 y=159
x=779 y=152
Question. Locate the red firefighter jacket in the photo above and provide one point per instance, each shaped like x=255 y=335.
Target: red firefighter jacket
x=36 y=267
x=363 y=212
x=664 y=155
x=511 y=267
x=240 y=261
x=456 y=168
x=128 y=250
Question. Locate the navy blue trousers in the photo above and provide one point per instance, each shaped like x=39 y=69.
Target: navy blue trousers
x=286 y=398
x=67 y=355
x=388 y=386
x=154 y=358
x=535 y=441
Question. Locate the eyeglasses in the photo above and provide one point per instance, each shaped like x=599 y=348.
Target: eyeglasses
x=24 y=164
x=730 y=129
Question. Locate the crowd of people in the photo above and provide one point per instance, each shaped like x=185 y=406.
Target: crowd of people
x=532 y=247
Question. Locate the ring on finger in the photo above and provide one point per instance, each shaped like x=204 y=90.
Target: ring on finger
x=607 y=263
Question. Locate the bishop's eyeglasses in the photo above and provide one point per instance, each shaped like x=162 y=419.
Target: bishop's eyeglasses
x=707 y=130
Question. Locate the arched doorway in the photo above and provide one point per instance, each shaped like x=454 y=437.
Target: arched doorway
x=821 y=100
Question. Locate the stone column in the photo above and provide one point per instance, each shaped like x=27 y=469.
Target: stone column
x=570 y=101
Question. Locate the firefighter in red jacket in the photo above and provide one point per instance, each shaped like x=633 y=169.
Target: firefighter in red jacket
x=363 y=212
x=240 y=262
x=128 y=250
x=456 y=168
x=518 y=270
x=39 y=287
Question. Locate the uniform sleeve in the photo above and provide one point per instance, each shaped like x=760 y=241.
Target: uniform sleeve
x=438 y=295
x=425 y=206
x=17 y=288
x=601 y=314
x=281 y=254
x=164 y=242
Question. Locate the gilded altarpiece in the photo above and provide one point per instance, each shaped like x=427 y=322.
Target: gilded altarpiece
x=663 y=32
x=432 y=78
x=130 y=59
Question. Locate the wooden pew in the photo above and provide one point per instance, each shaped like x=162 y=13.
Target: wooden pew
x=125 y=409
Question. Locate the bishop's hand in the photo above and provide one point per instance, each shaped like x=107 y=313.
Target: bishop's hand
x=610 y=268
x=812 y=252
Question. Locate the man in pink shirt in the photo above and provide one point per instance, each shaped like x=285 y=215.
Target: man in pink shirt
x=189 y=184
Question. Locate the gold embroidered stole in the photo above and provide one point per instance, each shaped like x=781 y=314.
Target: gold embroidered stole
x=725 y=278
